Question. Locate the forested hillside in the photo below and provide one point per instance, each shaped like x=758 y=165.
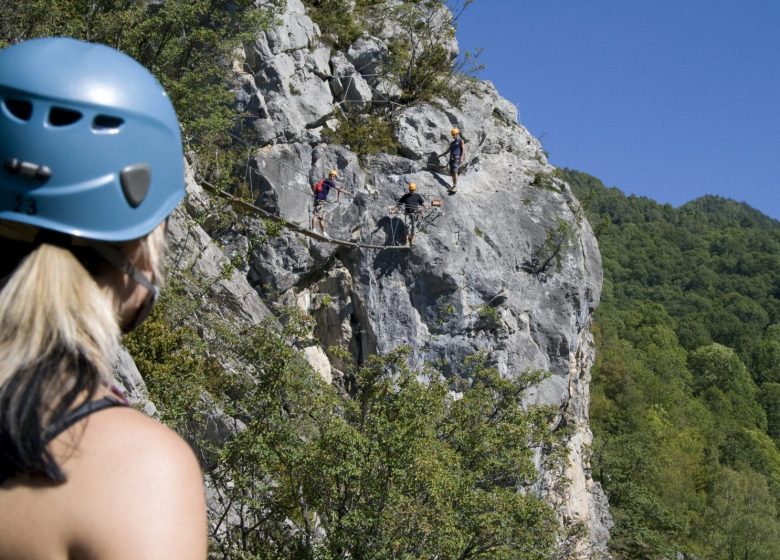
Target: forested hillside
x=686 y=392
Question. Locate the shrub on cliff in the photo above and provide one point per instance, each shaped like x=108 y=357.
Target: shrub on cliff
x=341 y=20
x=389 y=467
x=363 y=134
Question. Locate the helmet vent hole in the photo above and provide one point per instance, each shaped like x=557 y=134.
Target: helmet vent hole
x=63 y=117
x=22 y=110
x=106 y=123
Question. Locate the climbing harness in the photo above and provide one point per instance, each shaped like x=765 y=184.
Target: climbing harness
x=433 y=213
x=414 y=218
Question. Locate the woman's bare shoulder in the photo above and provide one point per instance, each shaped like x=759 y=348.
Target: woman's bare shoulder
x=134 y=477
x=128 y=442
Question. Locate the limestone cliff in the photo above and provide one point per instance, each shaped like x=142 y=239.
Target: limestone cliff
x=511 y=267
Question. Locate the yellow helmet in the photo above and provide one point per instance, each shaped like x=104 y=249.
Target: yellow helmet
x=333 y=173
x=455 y=131
x=412 y=186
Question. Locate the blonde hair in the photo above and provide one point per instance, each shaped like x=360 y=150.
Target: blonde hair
x=49 y=302
x=59 y=334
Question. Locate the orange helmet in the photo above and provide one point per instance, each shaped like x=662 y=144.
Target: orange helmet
x=455 y=131
x=412 y=187
x=333 y=173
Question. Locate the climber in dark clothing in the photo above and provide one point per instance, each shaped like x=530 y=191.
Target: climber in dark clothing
x=412 y=204
x=457 y=151
x=321 y=191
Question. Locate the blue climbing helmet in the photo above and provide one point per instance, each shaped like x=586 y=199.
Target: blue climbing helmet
x=89 y=141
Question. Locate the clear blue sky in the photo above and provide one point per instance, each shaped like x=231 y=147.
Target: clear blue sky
x=670 y=99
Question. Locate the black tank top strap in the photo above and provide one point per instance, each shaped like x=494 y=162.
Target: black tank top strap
x=81 y=412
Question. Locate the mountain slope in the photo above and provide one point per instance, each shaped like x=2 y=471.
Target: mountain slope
x=685 y=400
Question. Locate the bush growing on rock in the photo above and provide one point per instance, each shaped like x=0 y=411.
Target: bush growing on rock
x=397 y=468
x=341 y=19
x=363 y=134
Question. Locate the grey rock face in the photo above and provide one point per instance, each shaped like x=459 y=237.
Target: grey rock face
x=510 y=268
x=191 y=248
x=369 y=56
x=296 y=31
x=422 y=130
x=130 y=380
x=292 y=70
x=348 y=86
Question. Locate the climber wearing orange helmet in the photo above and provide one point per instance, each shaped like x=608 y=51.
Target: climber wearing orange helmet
x=412 y=204
x=321 y=189
x=457 y=151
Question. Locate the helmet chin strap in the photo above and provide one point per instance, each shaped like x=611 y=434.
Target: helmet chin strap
x=116 y=259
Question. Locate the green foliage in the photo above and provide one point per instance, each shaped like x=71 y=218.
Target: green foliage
x=390 y=466
x=408 y=475
x=174 y=361
x=742 y=518
x=419 y=60
x=342 y=20
x=489 y=317
x=544 y=180
x=419 y=57
x=444 y=313
x=769 y=396
x=364 y=134
x=400 y=472
x=718 y=365
x=273 y=228
x=766 y=361
x=684 y=401
x=714 y=272
x=648 y=430
x=723 y=379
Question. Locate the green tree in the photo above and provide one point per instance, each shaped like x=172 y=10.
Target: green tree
x=718 y=369
x=343 y=21
x=766 y=363
x=741 y=521
x=769 y=396
x=415 y=474
x=396 y=468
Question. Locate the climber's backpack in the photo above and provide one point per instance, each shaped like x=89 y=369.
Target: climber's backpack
x=318 y=186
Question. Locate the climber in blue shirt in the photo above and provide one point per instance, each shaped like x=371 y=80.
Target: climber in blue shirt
x=457 y=151
x=321 y=190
